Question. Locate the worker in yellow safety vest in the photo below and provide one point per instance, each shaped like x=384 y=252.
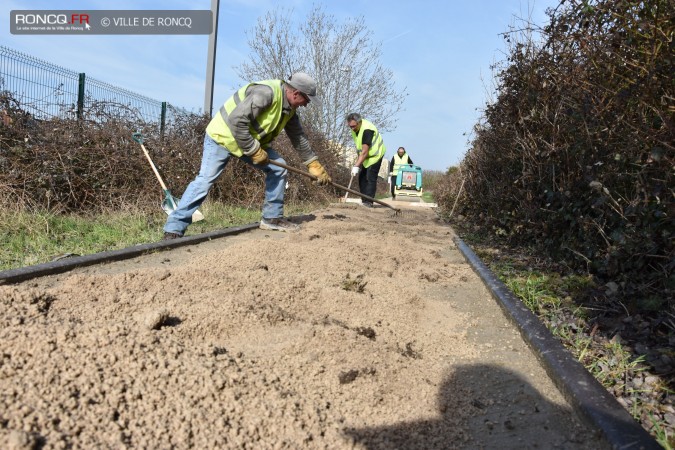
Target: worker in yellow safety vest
x=245 y=127
x=401 y=158
x=370 y=150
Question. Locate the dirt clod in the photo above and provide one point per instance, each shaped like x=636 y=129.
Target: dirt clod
x=21 y=440
x=409 y=352
x=348 y=376
x=154 y=320
x=366 y=331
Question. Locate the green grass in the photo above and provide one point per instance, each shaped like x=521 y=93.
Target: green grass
x=428 y=197
x=549 y=296
x=535 y=291
x=37 y=237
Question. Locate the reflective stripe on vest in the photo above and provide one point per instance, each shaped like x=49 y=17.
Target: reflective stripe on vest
x=398 y=162
x=376 y=151
x=264 y=128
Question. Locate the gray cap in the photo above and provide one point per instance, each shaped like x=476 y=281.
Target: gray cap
x=305 y=84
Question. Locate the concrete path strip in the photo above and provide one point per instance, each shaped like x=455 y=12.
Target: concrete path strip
x=579 y=387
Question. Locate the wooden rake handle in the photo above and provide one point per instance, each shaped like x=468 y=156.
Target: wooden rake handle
x=339 y=186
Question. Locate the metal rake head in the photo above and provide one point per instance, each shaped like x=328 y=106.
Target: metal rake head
x=407 y=214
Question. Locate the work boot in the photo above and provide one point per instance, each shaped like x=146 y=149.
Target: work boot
x=170 y=236
x=278 y=224
x=367 y=204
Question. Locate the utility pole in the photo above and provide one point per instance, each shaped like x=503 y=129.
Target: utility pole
x=348 y=71
x=211 y=59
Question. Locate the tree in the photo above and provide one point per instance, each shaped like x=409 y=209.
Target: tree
x=341 y=57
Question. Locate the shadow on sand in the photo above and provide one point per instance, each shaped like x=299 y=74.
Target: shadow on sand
x=486 y=407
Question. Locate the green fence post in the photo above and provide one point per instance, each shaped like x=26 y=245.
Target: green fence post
x=162 y=121
x=80 y=97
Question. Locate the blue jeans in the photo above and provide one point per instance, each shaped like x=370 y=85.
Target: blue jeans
x=214 y=161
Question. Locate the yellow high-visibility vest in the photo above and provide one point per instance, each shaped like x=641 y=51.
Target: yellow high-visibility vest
x=398 y=162
x=264 y=128
x=376 y=151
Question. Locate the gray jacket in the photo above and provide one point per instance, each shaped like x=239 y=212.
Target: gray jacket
x=258 y=98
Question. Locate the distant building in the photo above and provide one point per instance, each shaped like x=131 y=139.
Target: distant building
x=346 y=155
x=384 y=169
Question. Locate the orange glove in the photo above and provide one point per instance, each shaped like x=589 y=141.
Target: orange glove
x=316 y=169
x=260 y=157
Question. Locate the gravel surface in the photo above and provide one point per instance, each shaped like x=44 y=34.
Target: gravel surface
x=362 y=330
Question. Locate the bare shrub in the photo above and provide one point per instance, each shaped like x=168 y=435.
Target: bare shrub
x=575 y=156
x=94 y=165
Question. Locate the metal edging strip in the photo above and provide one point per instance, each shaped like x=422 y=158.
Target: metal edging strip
x=586 y=395
x=64 y=265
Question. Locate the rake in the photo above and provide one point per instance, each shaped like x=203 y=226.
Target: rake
x=339 y=186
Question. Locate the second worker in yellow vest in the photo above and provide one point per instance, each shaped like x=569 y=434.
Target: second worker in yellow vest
x=401 y=158
x=370 y=150
x=245 y=127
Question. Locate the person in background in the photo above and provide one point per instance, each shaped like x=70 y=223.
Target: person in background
x=245 y=127
x=370 y=150
x=399 y=159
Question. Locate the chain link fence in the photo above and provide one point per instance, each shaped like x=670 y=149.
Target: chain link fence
x=46 y=90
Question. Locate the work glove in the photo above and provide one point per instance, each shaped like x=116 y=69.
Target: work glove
x=316 y=169
x=260 y=157
x=355 y=171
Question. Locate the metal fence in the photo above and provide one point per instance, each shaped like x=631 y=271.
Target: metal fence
x=46 y=90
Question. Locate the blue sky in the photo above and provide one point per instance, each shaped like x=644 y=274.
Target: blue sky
x=441 y=51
